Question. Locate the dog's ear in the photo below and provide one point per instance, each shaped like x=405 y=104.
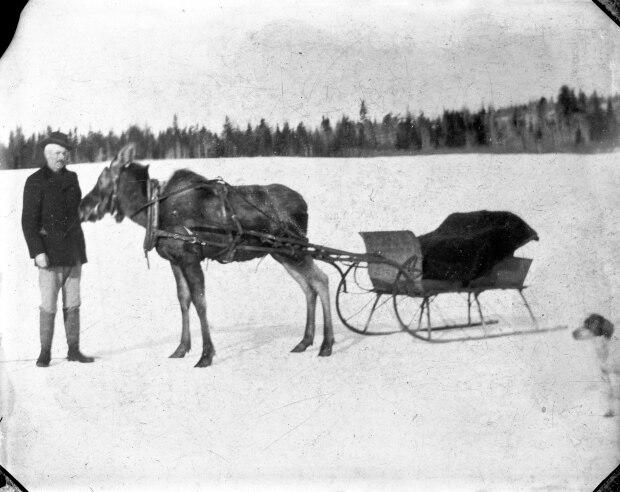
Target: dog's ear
x=599 y=326
x=606 y=327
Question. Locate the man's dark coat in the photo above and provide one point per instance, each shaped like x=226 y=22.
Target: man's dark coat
x=50 y=219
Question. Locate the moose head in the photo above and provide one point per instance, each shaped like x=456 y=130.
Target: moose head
x=123 y=178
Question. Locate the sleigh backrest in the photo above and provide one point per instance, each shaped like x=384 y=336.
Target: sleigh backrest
x=399 y=247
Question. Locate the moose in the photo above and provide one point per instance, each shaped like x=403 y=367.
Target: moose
x=189 y=202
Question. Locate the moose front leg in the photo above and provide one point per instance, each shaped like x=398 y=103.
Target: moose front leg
x=185 y=300
x=196 y=281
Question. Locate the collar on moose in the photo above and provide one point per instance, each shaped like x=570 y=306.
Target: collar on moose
x=152 y=214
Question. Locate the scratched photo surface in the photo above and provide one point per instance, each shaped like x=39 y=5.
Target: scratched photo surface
x=410 y=111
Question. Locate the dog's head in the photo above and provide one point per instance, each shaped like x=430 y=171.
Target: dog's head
x=594 y=326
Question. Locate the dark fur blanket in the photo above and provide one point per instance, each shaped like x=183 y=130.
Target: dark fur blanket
x=467 y=245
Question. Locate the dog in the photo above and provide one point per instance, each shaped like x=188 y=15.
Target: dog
x=601 y=332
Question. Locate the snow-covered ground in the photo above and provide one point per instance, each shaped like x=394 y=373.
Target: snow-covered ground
x=511 y=413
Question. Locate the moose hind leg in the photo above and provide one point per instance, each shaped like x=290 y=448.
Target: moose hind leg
x=299 y=276
x=195 y=279
x=185 y=299
x=320 y=283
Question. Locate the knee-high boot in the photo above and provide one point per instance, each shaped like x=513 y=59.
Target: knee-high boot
x=46 y=333
x=72 y=329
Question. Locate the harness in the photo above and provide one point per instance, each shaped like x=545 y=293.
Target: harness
x=231 y=229
x=152 y=218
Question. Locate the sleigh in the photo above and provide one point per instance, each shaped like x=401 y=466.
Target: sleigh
x=366 y=290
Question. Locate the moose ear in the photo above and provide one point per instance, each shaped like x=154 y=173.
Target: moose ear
x=125 y=156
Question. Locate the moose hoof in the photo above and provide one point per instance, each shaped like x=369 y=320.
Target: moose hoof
x=179 y=352
x=205 y=361
x=326 y=349
x=301 y=346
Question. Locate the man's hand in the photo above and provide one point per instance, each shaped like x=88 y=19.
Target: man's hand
x=41 y=260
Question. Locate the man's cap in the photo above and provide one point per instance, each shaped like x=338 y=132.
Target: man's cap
x=57 y=138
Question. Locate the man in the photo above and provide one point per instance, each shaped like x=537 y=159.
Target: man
x=53 y=233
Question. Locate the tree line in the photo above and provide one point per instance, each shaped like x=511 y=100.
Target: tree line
x=570 y=123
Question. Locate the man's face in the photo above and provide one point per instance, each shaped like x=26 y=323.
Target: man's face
x=56 y=156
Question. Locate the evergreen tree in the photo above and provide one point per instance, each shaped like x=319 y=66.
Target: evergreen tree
x=327 y=144
x=287 y=139
x=455 y=129
x=578 y=138
x=303 y=141
x=4 y=157
x=479 y=127
x=228 y=140
x=567 y=101
x=277 y=141
x=437 y=133
x=249 y=142
x=612 y=124
x=407 y=135
x=387 y=132
x=597 y=119
x=542 y=107
x=263 y=139
x=582 y=104
x=363 y=110
x=344 y=137
x=325 y=125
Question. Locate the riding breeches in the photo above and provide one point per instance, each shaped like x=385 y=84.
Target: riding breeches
x=54 y=279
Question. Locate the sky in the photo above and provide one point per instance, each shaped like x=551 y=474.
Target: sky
x=104 y=65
